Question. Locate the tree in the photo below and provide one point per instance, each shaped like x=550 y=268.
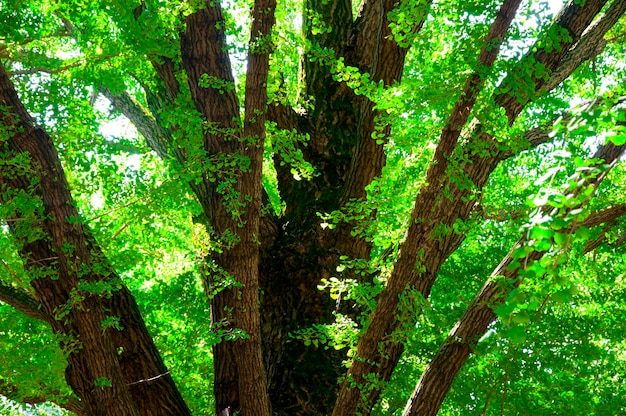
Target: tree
x=340 y=179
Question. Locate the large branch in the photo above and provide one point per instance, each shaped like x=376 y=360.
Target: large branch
x=205 y=56
x=534 y=137
x=384 y=319
x=529 y=79
x=602 y=238
x=330 y=121
x=606 y=215
x=63 y=257
x=335 y=16
x=376 y=52
x=141 y=119
x=379 y=54
x=591 y=44
x=478 y=170
x=206 y=62
x=436 y=380
x=20 y=300
x=252 y=381
x=233 y=203
x=482 y=150
x=608 y=218
x=422 y=253
x=45 y=252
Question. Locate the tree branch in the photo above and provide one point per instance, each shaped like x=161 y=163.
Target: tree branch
x=46 y=256
x=435 y=383
x=605 y=216
x=590 y=45
x=602 y=238
x=440 y=204
x=21 y=300
x=252 y=380
x=544 y=133
x=377 y=53
x=336 y=18
x=476 y=173
x=61 y=68
x=141 y=119
x=39 y=69
x=210 y=77
x=519 y=88
x=483 y=152
x=45 y=252
x=424 y=218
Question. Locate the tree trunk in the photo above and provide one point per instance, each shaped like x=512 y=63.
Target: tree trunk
x=263 y=277
x=233 y=200
x=115 y=371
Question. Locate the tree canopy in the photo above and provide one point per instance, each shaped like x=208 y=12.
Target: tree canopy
x=317 y=207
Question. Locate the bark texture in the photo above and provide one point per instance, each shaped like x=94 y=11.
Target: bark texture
x=65 y=263
x=268 y=267
x=234 y=213
x=426 y=215
x=437 y=379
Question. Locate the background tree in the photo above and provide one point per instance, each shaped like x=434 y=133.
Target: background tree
x=301 y=200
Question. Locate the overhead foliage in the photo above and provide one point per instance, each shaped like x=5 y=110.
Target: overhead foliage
x=313 y=207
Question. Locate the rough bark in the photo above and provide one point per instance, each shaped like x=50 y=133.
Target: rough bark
x=437 y=379
x=568 y=27
x=249 y=354
x=240 y=374
x=93 y=357
x=378 y=54
x=346 y=158
x=425 y=215
x=204 y=52
x=64 y=260
x=590 y=45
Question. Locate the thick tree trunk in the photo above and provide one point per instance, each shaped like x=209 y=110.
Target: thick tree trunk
x=233 y=202
x=346 y=159
x=302 y=378
x=115 y=371
x=288 y=267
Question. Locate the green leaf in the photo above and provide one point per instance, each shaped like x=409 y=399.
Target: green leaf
x=539 y=232
x=618 y=139
x=561 y=296
x=521 y=317
x=582 y=233
x=516 y=334
x=560 y=238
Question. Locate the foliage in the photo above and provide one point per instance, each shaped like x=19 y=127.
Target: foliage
x=557 y=346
